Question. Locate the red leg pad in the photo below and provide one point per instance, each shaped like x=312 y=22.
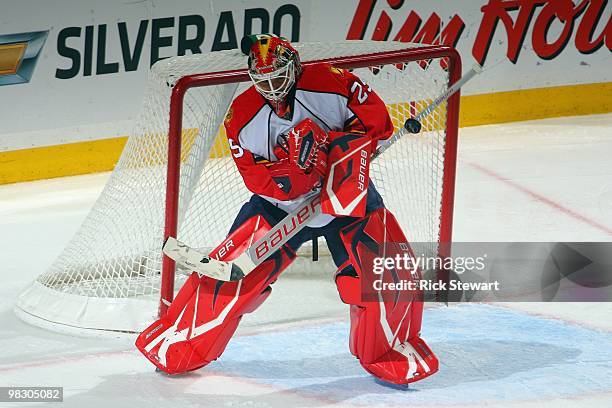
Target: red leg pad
x=204 y=316
x=385 y=334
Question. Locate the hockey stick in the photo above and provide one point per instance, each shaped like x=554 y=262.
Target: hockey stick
x=288 y=227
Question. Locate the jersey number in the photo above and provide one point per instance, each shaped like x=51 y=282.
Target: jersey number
x=362 y=94
x=237 y=151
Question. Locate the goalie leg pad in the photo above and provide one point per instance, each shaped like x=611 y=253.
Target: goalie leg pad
x=205 y=314
x=385 y=334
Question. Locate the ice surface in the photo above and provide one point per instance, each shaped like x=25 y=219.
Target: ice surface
x=548 y=180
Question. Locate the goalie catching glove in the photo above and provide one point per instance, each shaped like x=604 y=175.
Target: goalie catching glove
x=302 y=159
x=305 y=146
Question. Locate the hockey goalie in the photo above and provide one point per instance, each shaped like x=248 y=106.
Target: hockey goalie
x=300 y=131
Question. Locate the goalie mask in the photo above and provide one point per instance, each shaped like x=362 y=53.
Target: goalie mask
x=274 y=65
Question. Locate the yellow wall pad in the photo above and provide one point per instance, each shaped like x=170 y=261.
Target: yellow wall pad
x=59 y=161
x=101 y=155
x=538 y=103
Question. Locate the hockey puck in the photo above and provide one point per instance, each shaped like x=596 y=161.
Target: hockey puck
x=412 y=125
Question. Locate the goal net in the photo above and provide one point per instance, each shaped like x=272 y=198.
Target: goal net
x=110 y=275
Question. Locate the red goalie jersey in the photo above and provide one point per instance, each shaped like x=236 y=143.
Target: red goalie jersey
x=334 y=99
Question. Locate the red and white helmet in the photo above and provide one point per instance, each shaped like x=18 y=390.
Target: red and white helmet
x=274 y=65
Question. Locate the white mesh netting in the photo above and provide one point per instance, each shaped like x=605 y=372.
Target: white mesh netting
x=108 y=277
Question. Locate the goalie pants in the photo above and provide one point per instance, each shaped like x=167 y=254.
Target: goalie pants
x=331 y=232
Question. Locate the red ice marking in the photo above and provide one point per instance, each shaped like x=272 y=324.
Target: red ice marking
x=543 y=199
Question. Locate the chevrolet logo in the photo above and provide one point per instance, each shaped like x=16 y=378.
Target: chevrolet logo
x=18 y=56
x=10 y=57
